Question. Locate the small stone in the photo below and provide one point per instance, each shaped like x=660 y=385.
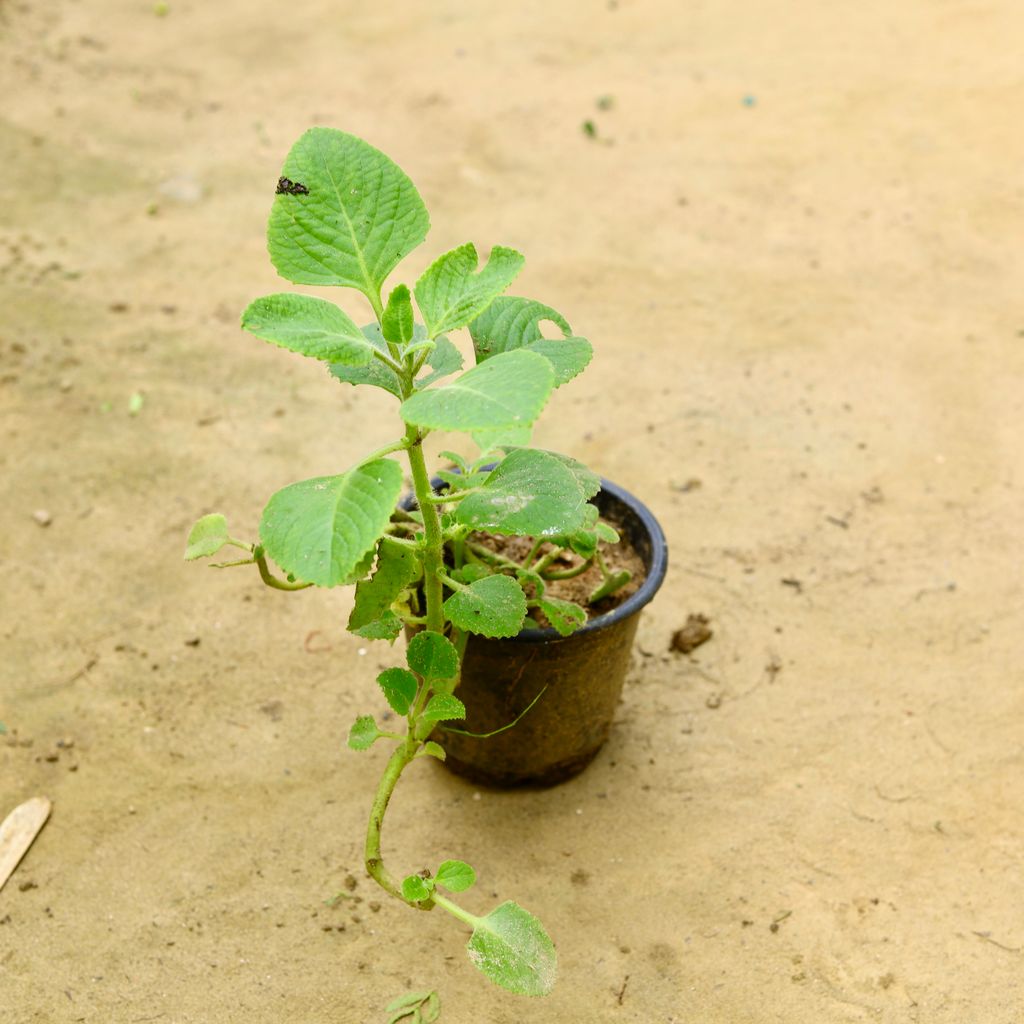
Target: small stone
x=695 y=632
x=42 y=517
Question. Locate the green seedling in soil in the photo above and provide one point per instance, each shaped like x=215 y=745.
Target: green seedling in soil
x=344 y=214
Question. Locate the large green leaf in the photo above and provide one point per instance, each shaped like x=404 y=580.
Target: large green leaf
x=312 y=327
x=511 y=322
x=356 y=217
x=512 y=948
x=320 y=530
x=397 y=567
x=450 y=293
x=494 y=606
x=509 y=390
x=530 y=493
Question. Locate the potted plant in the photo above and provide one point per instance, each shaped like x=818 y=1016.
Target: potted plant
x=508 y=572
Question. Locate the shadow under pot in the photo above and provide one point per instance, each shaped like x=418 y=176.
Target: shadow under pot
x=584 y=674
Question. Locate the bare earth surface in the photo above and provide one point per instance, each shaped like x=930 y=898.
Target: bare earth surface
x=796 y=246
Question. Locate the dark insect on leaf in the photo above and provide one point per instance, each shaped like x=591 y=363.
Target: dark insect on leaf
x=287 y=187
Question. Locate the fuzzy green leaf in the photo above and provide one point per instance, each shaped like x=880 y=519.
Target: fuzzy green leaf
x=510 y=322
x=397 y=567
x=312 y=327
x=445 y=360
x=606 y=532
x=387 y=627
x=531 y=493
x=506 y=391
x=364 y=733
x=565 y=616
x=399 y=686
x=432 y=749
x=320 y=530
x=511 y=947
x=358 y=218
x=455 y=875
x=443 y=707
x=375 y=372
x=450 y=293
x=397 y=320
x=433 y=656
x=207 y=537
x=416 y=888
x=494 y=606
x=568 y=357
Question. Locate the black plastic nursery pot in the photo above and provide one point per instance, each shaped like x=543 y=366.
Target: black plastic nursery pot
x=583 y=674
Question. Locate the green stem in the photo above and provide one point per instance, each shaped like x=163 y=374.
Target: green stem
x=433 y=552
x=270 y=579
x=568 y=574
x=492 y=556
x=455 y=910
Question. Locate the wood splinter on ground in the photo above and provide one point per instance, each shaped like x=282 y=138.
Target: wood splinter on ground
x=18 y=832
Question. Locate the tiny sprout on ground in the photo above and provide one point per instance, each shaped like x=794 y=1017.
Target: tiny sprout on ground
x=344 y=214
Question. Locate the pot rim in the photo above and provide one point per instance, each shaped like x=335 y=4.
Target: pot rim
x=635 y=602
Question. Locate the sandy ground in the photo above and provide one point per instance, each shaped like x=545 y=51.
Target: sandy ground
x=796 y=247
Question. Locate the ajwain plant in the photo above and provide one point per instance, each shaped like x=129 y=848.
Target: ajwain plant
x=344 y=214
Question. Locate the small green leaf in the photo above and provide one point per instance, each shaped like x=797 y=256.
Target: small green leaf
x=432 y=749
x=450 y=293
x=374 y=372
x=471 y=572
x=445 y=360
x=207 y=537
x=387 y=627
x=397 y=567
x=455 y=875
x=530 y=493
x=565 y=616
x=363 y=733
x=433 y=656
x=443 y=707
x=409 y=999
x=399 y=686
x=321 y=530
x=416 y=888
x=511 y=947
x=397 y=320
x=312 y=327
x=357 y=218
x=494 y=606
x=509 y=390
x=584 y=543
x=606 y=532
x=510 y=322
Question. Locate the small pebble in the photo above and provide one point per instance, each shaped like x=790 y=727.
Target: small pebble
x=42 y=517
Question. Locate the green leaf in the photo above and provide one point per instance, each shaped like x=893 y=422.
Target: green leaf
x=606 y=532
x=503 y=437
x=471 y=572
x=397 y=320
x=432 y=749
x=616 y=581
x=455 y=875
x=387 y=627
x=376 y=373
x=409 y=999
x=363 y=733
x=511 y=947
x=360 y=215
x=584 y=543
x=207 y=537
x=321 y=529
x=433 y=656
x=445 y=360
x=568 y=357
x=399 y=686
x=510 y=322
x=362 y=569
x=450 y=293
x=565 y=616
x=397 y=567
x=443 y=707
x=416 y=888
x=509 y=390
x=494 y=606
x=530 y=493
x=312 y=327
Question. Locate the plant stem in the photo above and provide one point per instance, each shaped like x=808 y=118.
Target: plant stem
x=568 y=574
x=433 y=552
x=455 y=910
